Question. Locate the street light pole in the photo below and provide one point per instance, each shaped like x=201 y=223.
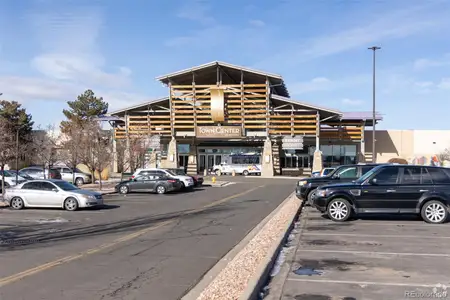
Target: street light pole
x=374 y=152
x=17 y=154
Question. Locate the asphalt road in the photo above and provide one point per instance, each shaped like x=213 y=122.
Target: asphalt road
x=371 y=258
x=138 y=246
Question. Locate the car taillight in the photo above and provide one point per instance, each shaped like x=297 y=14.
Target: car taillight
x=171 y=181
x=132 y=177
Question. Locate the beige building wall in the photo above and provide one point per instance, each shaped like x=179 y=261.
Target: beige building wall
x=407 y=144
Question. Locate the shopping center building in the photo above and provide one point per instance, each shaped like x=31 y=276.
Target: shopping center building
x=218 y=109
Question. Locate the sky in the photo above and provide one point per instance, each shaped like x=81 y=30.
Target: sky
x=53 y=50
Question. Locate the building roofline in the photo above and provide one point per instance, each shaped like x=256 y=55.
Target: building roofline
x=219 y=63
x=312 y=106
x=137 y=106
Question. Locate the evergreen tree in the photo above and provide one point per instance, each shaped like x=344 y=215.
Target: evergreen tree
x=17 y=117
x=82 y=110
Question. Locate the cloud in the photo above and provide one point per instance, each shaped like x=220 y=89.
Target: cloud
x=313 y=85
x=257 y=23
x=424 y=63
x=444 y=84
x=393 y=25
x=352 y=102
x=69 y=48
x=197 y=11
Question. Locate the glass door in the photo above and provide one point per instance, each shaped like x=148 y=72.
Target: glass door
x=218 y=159
x=202 y=162
x=210 y=162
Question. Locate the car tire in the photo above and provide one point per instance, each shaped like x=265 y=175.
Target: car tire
x=434 y=212
x=79 y=181
x=245 y=173
x=71 y=204
x=124 y=190
x=17 y=203
x=183 y=186
x=339 y=210
x=309 y=197
x=217 y=172
x=160 y=189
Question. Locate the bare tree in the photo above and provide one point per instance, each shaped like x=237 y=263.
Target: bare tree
x=96 y=149
x=135 y=157
x=444 y=155
x=7 y=148
x=44 y=146
x=71 y=152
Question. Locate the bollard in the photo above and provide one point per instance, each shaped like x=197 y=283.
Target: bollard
x=205 y=172
x=233 y=173
x=219 y=173
x=213 y=179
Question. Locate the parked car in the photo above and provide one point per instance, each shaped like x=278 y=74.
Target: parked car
x=160 y=184
x=38 y=173
x=198 y=180
x=67 y=174
x=51 y=193
x=21 y=174
x=10 y=179
x=397 y=189
x=306 y=187
x=324 y=172
x=187 y=181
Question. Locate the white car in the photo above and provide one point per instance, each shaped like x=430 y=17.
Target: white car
x=51 y=193
x=10 y=179
x=244 y=169
x=187 y=181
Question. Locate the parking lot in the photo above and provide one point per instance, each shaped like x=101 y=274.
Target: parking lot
x=374 y=258
x=139 y=246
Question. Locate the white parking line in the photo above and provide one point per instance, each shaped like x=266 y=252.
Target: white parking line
x=376 y=235
x=413 y=223
x=374 y=252
x=363 y=283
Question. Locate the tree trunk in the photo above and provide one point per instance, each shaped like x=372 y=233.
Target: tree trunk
x=3 y=182
x=121 y=176
x=73 y=175
x=45 y=177
x=100 y=179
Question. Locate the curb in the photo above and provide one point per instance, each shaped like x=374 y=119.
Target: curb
x=261 y=277
x=258 y=279
x=276 y=284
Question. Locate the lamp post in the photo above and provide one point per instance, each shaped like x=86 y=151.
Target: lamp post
x=374 y=152
x=17 y=151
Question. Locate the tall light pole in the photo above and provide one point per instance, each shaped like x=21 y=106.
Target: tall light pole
x=374 y=152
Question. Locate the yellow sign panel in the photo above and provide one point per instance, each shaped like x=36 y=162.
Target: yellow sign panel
x=219 y=131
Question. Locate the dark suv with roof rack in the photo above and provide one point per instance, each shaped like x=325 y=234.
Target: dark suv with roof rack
x=306 y=187
x=393 y=189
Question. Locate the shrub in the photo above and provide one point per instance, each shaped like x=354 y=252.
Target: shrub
x=398 y=160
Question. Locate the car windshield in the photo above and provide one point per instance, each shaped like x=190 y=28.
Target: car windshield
x=65 y=186
x=335 y=171
x=365 y=176
x=7 y=174
x=171 y=173
x=178 y=171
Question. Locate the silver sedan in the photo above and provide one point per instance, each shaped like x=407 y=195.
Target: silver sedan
x=51 y=193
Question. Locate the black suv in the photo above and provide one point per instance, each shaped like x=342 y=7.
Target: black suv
x=306 y=187
x=399 y=189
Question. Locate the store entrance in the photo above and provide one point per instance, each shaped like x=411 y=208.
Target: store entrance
x=208 y=161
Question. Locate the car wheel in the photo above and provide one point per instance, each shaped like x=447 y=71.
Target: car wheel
x=434 y=212
x=79 y=181
x=339 y=210
x=245 y=173
x=124 y=189
x=217 y=172
x=160 y=189
x=310 y=196
x=183 y=186
x=71 y=204
x=17 y=203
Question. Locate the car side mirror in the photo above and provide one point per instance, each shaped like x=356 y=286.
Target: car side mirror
x=337 y=176
x=373 y=181
x=55 y=190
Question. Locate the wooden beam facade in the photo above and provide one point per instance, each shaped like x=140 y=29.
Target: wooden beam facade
x=247 y=105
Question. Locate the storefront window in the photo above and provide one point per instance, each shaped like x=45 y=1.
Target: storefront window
x=183 y=148
x=334 y=155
